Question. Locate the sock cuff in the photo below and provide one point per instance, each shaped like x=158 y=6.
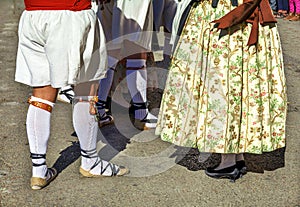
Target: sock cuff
x=135 y=63
x=33 y=98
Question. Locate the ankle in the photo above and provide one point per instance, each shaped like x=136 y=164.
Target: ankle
x=141 y=114
x=101 y=113
x=101 y=107
x=87 y=163
x=39 y=167
x=140 y=110
x=225 y=166
x=39 y=171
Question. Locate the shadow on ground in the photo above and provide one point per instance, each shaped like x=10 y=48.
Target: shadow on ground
x=256 y=163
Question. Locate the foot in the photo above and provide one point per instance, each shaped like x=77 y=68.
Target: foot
x=291 y=15
x=231 y=173
x=281 y=15
x=66 y=94
x=102 y=168
x=39 y=183
x=149 y=122
x=295 y=18
x=106 y=119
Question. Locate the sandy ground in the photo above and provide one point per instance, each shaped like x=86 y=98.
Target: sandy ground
x=161 y=174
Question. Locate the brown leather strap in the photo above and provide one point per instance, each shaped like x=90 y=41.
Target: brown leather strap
x=251 y=11
x=40 y=105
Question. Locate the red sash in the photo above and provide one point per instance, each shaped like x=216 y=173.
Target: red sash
x=73 y=5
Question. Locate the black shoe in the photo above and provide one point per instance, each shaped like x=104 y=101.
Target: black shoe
x=231 y=173
x=241 y=166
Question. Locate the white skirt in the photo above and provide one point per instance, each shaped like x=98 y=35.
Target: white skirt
x=60 y=48
x=127 y=20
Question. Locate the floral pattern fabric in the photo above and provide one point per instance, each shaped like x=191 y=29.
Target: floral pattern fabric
x=221 y=95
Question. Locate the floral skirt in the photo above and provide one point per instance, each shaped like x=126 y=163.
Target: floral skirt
x=221 y=95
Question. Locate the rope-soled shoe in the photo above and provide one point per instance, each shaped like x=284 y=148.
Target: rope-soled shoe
x=106 y=169
x=120 y=171
x=39 y=183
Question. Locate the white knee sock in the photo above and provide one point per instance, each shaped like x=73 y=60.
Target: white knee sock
x=86 y=129
x=38 y=132
x=137 y=84
x=105 y=84
x=104 y=89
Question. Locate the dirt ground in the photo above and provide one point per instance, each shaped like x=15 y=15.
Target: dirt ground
x=161 y=174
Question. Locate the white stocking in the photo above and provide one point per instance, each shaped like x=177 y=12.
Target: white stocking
x=38 y=133
x=86 y=129
x=105 y=84
x=137 y=84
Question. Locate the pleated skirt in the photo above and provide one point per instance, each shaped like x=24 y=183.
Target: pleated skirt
x=221 y=95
